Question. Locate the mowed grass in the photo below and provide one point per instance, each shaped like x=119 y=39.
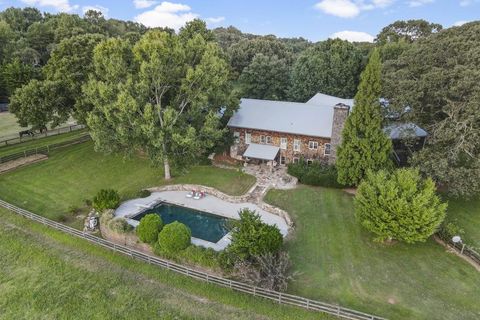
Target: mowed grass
x=75 y=173
x=50 y=275
x=466 y=214
x=8 y=125
x=40 y=142
x=337 y=261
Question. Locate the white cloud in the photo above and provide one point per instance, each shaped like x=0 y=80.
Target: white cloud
x=353 y=36
x=215 y=20
x=460 y=23
x=167 y=14
x=466 y=3
x=142 y=4
x=419 y=3
x=59 y=5
x=350 y=8
x=96 y=7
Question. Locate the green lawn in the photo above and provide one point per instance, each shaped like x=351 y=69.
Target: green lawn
x=338 y=262
x=8 y=125
x=466 y=214
x=50 y=275
x=40 y=142
x=76 y=173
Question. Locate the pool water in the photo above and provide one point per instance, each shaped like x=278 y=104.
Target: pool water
x=204 y=226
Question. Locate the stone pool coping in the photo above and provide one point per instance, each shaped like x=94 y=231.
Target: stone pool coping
x=210 y=204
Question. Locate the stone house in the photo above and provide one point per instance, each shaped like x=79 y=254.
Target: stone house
x=281 y=132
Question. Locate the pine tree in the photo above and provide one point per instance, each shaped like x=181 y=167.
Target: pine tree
x=364 y=145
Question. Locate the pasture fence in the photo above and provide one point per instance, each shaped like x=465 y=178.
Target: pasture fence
x=48 y=133
x=276 y=296
x=44 y=149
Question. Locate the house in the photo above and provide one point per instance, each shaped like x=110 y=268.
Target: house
x=281 y=132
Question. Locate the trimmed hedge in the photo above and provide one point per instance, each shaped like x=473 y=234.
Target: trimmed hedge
x=315 y=174
x=149 y=228
x=174 y=237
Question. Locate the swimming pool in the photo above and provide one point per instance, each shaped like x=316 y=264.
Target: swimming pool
x=204 y=226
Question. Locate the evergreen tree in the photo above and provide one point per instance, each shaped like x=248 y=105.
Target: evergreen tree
x=364 y=145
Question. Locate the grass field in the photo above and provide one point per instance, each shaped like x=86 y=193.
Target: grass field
x=8 y=125
x=40 y=142
x=76 y=173
x=466 y=214
x=50 y=275
x=338 y=262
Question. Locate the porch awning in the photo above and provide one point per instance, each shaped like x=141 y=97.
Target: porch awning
x=261 y=151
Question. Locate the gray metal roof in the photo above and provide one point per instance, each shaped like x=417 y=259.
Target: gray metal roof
x=404 y=130
x=261 y=151
x=307 y=119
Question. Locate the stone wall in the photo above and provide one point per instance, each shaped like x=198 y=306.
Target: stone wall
x=237 y=149
x=340 y=115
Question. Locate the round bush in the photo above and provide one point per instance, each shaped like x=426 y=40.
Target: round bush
x=106 y=199
x=174 y=237
x=149 y=228
x=119 y=225
x=399 y=205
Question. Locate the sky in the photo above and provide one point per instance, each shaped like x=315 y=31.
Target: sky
x=354 y=20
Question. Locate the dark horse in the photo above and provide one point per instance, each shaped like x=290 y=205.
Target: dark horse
x=26 y=133
x=40 y=129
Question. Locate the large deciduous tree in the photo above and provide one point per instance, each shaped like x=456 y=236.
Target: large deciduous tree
x=399 y=205
x=410 y=30
x=364 y=145
x=442 y=93
x=162 y=96
x=331 y=67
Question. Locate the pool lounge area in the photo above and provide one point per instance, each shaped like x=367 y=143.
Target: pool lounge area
x=207 y=217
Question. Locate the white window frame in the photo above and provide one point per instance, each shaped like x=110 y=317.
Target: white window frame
x=262 y=139
x=236 y=136
x=268 y=140
x=296 y=159
x=329 y=149
x=248 y=138
x=283 y=143
x=313 y=145
x=283 y=160
x=297 y=145
x=309 y=162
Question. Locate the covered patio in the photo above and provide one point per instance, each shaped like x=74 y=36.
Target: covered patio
x=262 y=153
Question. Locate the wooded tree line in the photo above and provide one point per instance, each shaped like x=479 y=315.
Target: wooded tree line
x=54 y=66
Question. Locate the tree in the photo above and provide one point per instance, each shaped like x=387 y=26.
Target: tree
x=149 y=228
x=265 y=78
x=196 y=27
x=331 y=67
x=16 y=74
x=252 y=237
x=364 y=145
x=399 y=205
x=174 y=237
x=162 y=96
x=441 y=91
x=38 y=103
x=410 y=30
x=20 y=19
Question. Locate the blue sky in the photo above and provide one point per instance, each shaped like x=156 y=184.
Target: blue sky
x=314 y=20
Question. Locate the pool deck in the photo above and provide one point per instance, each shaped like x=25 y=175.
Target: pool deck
x=208 y=204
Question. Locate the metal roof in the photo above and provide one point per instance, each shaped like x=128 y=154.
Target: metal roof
x=261 y=151
x=309 y=119
x=404 y=130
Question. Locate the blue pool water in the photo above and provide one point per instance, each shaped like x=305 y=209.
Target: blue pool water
x=204 y=226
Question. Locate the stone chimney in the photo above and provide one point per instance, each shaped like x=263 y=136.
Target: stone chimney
x=340 y=114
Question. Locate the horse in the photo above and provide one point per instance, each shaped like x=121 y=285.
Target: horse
x=27 y=132
x=40 y=129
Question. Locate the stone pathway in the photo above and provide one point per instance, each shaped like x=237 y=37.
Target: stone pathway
x=277 y=178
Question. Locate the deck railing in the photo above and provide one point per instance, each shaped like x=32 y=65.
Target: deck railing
x=278 y=297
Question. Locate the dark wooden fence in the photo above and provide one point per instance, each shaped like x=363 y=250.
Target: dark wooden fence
x=48 y=133
x=45 y=149
x=278 y=297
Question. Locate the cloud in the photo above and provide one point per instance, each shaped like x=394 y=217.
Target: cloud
x=167 y=14
x=215 y=20
x=466 y=3
x=96 y=7
x=142 y=4
x=353 y=36
x=59 y=5
x=350 y=8
x=460 y=23
x=419 y=3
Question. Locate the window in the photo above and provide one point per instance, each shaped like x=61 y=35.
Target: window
x=296 y=160
x=269 y=140
x=296 y=145
x=309 y=162
x=328 y=149
x=236 y=136
x=248 y=138
x=283 y=160
x=312 y=145
x=262 y=139
x=283 y=143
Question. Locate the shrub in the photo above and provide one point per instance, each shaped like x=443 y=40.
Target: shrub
x=252 y=237
x=399 y=205
x=143 y=193
x=106 y=216
x=149 y=228
x=119 y=225
x=106 y=199
x=315 y=174
x=449 y=229
x=174 y=237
